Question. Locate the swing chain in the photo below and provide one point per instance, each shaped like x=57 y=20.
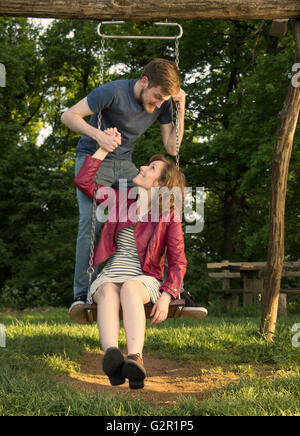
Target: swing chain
x=101 y=78
x=177 y=53
x=101 y=72
x=177 y=104
x=90 y=269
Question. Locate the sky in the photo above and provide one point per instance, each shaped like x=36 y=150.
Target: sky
x=45 y=22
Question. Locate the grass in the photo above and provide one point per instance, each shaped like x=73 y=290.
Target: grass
x=42 y=346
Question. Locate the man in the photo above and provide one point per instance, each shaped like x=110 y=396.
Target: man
x=129 y=106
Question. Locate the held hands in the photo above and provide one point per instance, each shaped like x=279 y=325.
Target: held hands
x=161 y=308
x=110 y=139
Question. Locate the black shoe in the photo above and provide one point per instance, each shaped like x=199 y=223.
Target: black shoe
x=134 y=370
x=112 y=366
x=189 y=300
x=82 y=298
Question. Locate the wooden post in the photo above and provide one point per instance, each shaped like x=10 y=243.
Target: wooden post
x=227 y=297
x=279 y=27
x=282 y=305
x=226 y=287
x=248 y=296
x=288 y=119
x=231 y=301
x=235 y=302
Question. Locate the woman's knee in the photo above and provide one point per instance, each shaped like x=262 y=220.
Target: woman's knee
x=106 y=291
x=134 y=289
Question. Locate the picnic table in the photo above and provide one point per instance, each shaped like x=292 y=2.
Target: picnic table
x=253 y=275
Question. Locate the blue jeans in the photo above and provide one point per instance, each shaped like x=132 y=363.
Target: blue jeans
x=109 y=174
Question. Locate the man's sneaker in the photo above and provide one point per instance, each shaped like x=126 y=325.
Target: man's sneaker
x=134 y=370
x=194 y=313
x=77 y=310
x=192 y=310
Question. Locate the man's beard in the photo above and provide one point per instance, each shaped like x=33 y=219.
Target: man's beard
x=145 y=105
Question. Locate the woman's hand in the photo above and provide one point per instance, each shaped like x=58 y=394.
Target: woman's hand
x=112 y=139
x=108 y=139
x=161 y=308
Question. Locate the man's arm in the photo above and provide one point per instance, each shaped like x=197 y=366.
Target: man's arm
x=84 y=180
x=74 y=119
x=168 y=131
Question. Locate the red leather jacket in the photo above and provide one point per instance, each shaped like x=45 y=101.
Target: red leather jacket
x=153 y=239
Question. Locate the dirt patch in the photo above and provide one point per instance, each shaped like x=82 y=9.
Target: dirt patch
x=166 y=379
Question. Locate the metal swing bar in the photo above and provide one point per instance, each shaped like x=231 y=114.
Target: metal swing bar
x=104 y=23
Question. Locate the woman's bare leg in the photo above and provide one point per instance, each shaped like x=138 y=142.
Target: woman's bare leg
x=107 y=298
x=133 y=296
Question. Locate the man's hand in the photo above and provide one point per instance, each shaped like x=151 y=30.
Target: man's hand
x=161 y=308
x=180 y=98
x=109 y=140
x=169 y=131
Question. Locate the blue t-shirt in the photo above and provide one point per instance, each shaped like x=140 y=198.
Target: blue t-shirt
x=120 y=109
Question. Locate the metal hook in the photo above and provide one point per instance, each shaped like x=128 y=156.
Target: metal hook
x=139 y=36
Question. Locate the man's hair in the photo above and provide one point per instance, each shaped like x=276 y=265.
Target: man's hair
x=163 y=73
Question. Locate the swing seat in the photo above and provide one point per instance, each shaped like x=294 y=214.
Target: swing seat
x=177 y=309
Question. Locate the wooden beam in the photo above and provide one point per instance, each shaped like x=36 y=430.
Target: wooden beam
x=148 y=10
x=288 y=119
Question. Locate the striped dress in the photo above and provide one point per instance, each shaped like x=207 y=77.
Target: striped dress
x=125 y=265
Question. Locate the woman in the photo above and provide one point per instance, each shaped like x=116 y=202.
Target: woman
x=135 y=244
